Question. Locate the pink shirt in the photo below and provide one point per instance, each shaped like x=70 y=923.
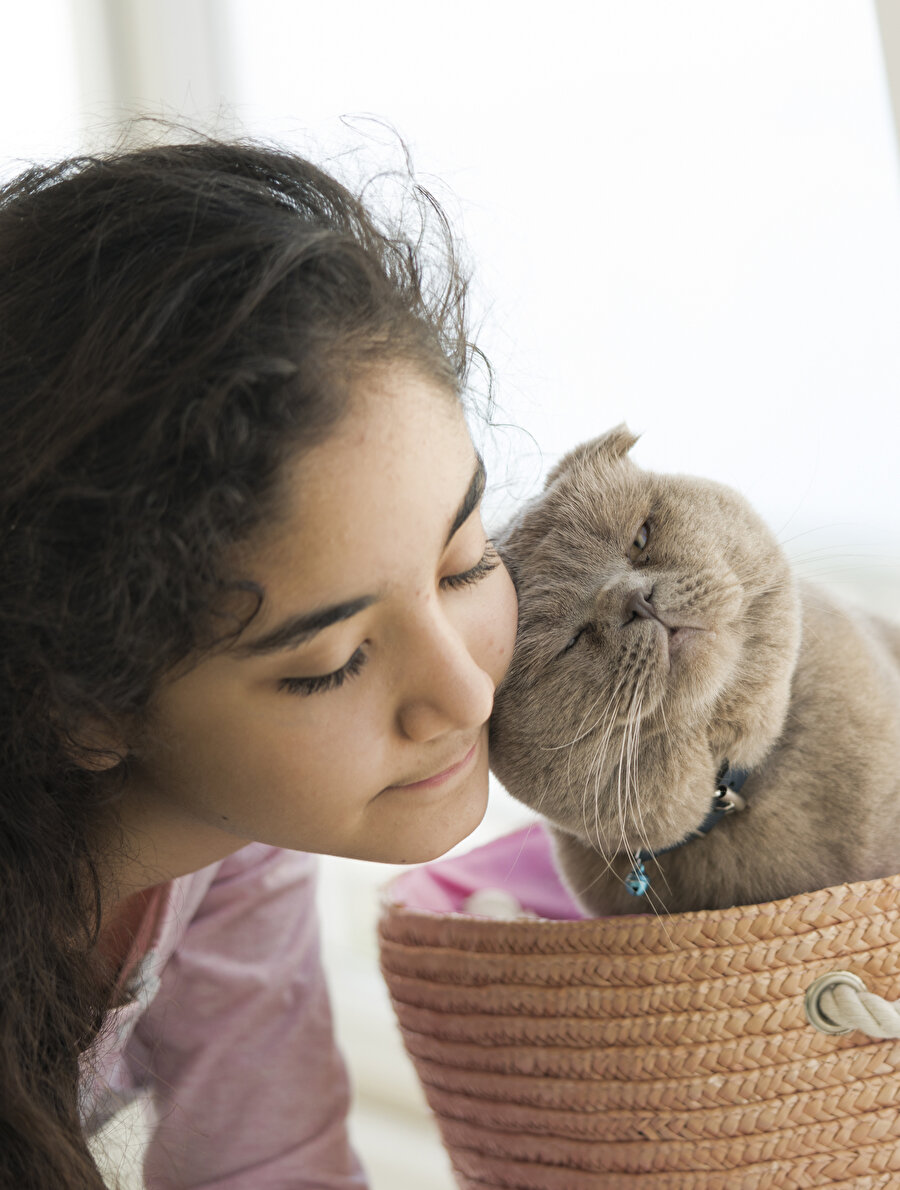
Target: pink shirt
x=230 y=1028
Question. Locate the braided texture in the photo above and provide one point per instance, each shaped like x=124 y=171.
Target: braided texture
x=653 y=1053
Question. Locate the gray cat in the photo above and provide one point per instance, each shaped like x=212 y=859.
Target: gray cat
x=699 y=728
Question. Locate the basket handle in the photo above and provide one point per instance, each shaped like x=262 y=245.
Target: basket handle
x=838 y=1002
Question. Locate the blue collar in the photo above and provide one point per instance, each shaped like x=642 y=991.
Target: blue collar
x=726 y=800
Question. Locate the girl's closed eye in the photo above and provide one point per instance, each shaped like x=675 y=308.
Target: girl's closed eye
x=325 y=682
x=489 y=561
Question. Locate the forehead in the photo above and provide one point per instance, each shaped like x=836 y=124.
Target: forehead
x=585 y=512
x=388 y=478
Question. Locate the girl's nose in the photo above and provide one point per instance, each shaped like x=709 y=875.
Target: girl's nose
x=446 y=688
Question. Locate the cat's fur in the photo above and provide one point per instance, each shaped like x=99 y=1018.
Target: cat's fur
x=618 y=738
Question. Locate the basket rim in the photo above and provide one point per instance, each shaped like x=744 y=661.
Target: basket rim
x=798 y=914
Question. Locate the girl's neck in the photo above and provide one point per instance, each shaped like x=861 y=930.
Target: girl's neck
x=150 y=841
x=120 y=927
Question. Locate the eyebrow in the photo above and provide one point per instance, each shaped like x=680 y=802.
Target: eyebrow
x=297 y=630
x=471 y=499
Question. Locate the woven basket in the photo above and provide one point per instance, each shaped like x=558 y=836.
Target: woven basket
x=655 y=1053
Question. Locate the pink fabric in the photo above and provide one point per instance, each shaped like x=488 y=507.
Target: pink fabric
x=232 y=1033
x=520 y=864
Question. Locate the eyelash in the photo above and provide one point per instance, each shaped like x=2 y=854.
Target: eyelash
x=489 y=561
x=325 y=681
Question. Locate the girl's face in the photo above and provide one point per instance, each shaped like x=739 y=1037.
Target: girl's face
x=351 y=715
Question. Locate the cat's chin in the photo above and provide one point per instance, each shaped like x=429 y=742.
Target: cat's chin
x=677 y=647
x=684 y=642
x=701 y=664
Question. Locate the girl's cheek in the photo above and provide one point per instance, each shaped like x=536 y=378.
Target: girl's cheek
x=500 y=620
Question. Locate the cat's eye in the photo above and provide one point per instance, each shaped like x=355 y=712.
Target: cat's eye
x=572 y=642
x=640 y=540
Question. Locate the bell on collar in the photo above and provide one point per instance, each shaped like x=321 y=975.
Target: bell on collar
x=637 y=881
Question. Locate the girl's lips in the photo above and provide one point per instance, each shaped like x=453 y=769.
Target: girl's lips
x=428 y=782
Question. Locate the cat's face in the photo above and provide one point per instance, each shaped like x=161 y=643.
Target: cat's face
x=658 y=629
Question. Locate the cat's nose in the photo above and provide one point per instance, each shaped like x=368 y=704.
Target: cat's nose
x=638 y=605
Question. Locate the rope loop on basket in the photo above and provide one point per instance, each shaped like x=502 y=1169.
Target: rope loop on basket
x=838 y=1002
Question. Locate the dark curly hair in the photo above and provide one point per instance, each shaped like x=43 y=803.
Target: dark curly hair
x=174 y=321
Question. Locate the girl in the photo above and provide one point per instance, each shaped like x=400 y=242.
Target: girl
x=248 y=612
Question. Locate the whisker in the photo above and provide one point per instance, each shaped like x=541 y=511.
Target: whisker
x=620 y=792
x=598 y=762
x=633 y=764
x=593 y=727
x=598 y=759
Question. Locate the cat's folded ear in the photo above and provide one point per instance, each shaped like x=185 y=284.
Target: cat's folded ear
x=614 y=444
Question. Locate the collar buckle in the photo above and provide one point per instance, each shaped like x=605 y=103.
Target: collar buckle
x=728 y=801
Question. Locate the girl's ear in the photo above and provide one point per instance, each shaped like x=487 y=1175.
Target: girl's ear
x=614 y=444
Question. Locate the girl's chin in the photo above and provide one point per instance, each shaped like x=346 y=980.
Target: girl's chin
x=416 y=840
